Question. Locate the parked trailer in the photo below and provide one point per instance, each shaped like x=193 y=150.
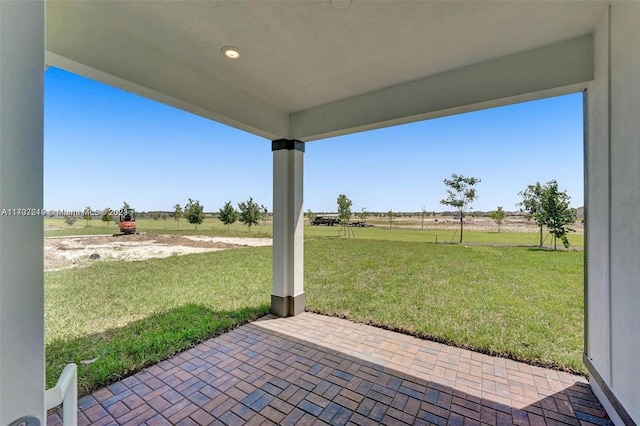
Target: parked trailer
x=325 y=220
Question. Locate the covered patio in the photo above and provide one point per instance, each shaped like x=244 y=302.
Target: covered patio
x=308 y=70
x=312 y=369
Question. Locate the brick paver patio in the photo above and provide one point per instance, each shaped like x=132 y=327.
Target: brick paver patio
x=312 y=369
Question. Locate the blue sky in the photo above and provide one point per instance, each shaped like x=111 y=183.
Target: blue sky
x=104 y=146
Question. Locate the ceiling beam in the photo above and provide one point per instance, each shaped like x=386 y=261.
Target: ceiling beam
x=553 y=70
x=181 y=87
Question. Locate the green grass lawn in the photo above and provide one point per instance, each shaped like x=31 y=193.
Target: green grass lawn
x=124 y=316
x=121 y=316
x=523 y=303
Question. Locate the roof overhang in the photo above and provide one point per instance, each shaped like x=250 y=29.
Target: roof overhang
x=313 y=69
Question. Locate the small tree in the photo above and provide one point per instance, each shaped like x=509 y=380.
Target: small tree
x=86 y=215
x=227 y=214
x=390 y=216
x=531 y=204
x=311 y=215
x=177 y=214
x=264 y=214
x=249 y=213
x=461 y=194
x=70 y=219
x=344 y=211
x=194 y=212
x=423 y=213
x=107 y=216
x=156 y=215
x=497 y=216
x=557 y=214
x=363 y=215
x=165 y=215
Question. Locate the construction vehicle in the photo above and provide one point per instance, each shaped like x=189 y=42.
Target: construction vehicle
x=128 y=222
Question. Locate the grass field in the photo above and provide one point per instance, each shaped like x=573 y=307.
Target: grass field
x=437 y=235
x=523 y=303
x=213 y=226
x=113 y=318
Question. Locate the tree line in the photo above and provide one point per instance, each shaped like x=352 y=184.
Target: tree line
x=249 y=213
x=546 y=204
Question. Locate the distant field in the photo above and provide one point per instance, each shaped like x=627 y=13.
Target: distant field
x=403 y=230
x=437 y=235
x=56 y=227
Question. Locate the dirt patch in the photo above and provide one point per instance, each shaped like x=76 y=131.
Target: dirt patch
x=484 y=224
x=69 y=252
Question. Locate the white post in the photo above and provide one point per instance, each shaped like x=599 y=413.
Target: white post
x=612 y=206
x=21 y=231
x=287 y=298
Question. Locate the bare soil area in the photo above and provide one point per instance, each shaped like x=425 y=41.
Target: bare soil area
x=485 y=224
x=69 y=252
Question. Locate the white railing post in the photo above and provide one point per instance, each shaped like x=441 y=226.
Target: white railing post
x=65 y=392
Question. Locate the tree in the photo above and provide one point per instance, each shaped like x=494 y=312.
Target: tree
x=227 y=214
x=497 y=216
x=422 y=215
x=86 y=215
x=531 y=204
x=390 y=216
x=107 y=216
x=549 y=207
x=177 y=214
x=461 y=194
x=557 y=214
x=194 y=212
x=165 y=215
x=264 y=214
x=311 y=215
x=344 y=211
x=123 y=211
x=156 y=215
x=363 y=215
x=70 y=219
x=249 y=212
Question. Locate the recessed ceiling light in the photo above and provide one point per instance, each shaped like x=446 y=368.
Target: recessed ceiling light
x=231 y=52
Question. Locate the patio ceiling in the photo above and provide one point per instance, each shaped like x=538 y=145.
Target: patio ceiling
x=312 y=69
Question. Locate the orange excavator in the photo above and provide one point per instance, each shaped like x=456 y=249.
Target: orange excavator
x=128 y=222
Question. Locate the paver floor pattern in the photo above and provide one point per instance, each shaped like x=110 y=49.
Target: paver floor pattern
x=314 y=369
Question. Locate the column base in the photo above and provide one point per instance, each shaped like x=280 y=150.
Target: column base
x=605 y=395
x=287 y=306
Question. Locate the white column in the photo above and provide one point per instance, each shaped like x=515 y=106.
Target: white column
x=613 y=203
x=21 y=236
x=287 y=298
